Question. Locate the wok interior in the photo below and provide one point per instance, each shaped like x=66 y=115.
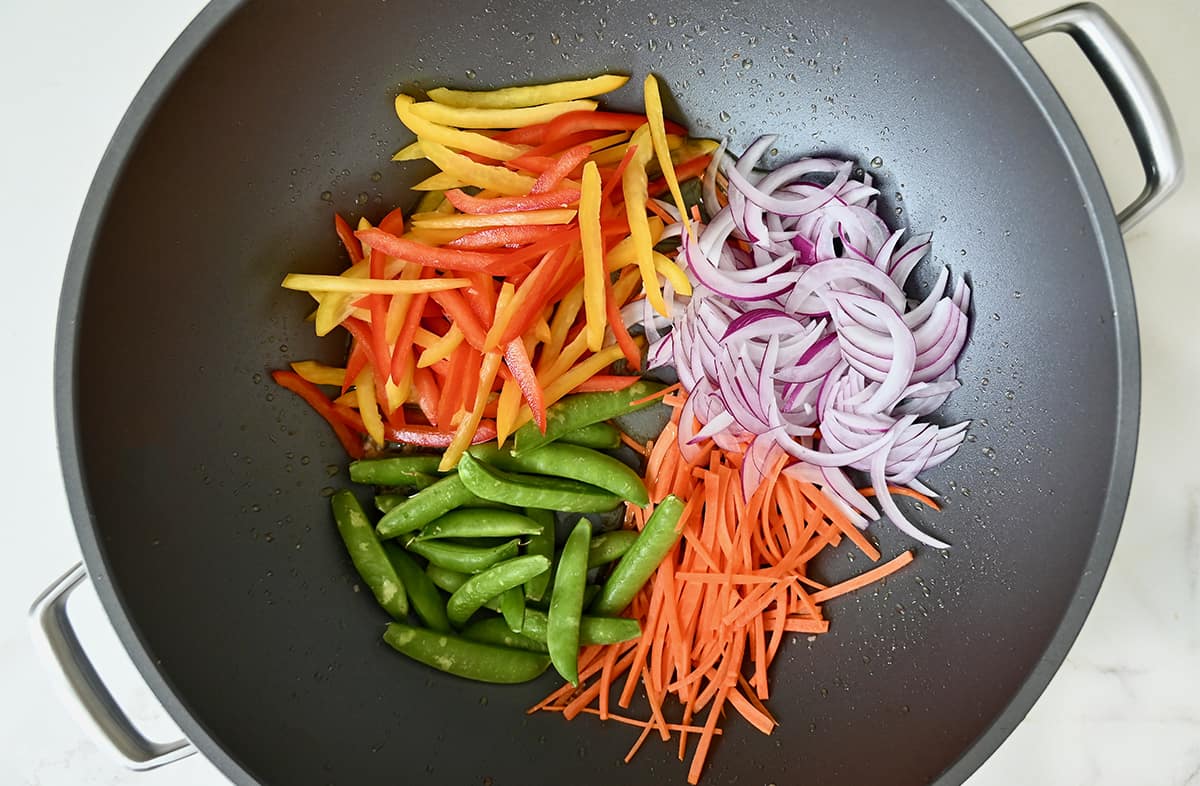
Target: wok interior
x=208 y=485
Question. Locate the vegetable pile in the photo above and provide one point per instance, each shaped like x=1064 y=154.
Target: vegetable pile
x=497 y=337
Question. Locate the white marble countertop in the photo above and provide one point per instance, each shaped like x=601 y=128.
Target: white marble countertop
x=1124 y=709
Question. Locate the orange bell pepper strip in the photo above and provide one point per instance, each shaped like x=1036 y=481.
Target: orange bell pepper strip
x=403 y=352
x=533 y=292
x=605 y=383
x=484 y=207
x=355 y=362
x=468 y=426
x=614 y=179
x=346 y=234
x=429 y=437
x=362 y=335
x=528 y=135
x=428 y=393
x=516 y=357
x=437 y=257
x=688 y=169
x=499 y=237
x=393 y=222
x=313 y=396
x=460 y=312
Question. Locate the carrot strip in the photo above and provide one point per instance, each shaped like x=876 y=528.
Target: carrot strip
x=863 y=579
x=903 y=491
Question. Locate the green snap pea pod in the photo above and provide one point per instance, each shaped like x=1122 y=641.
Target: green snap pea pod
x=423 y=594
x=494 y=630
x=465 y=658
x=592 y=630
x=610 y=547
x=423 y=507
x=368 y=556
x=569 y=461
x=512 y=606
x=566 y=603
x=403 y=471
x=479 y=523
x=490 y=583
x=385 y=502
x=584 y=409
x=533 y=491
x=656 y=539
x=464 y=559
x=450 y=580
x=542 y=543
x=601 y=436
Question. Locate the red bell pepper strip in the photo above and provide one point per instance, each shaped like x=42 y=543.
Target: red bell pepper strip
x=574 y=122
x=481 y=296
x=452 y=386
x=351 y=419
x=529 y=135
x=567 y=163
x=614 y=179
x=353 y=248
x=553 y=147
x=516 y=358
x=427 y=393
x=429 y=437
x=457 y=308
x=362 y=336
x=688 y=169
x=355 y=363
x=535 y=251
x=393 y=222
x=379 y=342
x=533 y=292
x=403 y=353
x=499 y=237
x=486 y=207
x=606 y=383
x=323 y=406
x=470 y=378
x=442 y=258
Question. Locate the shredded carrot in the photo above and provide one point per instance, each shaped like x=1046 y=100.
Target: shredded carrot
x=715 y=613
x=903 y=491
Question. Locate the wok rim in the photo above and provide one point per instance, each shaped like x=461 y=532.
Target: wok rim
x=1084 y=171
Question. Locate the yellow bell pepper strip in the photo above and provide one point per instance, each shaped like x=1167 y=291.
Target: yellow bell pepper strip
x=441 y=349
x=333 y=307
x=441 y=258
x=551 y=217
x=673 y=273
x=427 y=131
x=323 y=407
x=319 y=373
x=398 y=307
x=480 y=206
x=307 y=282
x=507 y=408
x=633 y=185
x=410 y=152
x=625 y=252
x=498 y=118
x=594 y=275
x=439 y=182
x=528 y=95
x=504 y=314
x=658 y=135
x=368 y=407
x=468 y=425
x=473 y=173
x=535 y=290
x=560 y=326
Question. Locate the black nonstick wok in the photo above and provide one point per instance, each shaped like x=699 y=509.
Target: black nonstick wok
x=198 y=489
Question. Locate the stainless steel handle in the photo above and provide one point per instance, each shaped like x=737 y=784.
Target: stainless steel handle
x=81 y=687
x=1135 y=91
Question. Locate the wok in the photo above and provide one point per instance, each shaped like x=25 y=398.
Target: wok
x=197 y=488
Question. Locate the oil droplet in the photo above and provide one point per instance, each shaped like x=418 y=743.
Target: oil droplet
x=470 y=74
x=652 y=18
x=962 y=252
x=555 y=39
x=876 y=162
x=362 y=198
x=984 y=381
x=990 y=452
x=304 y=460
x=971 y=438
x=1017 y=294
x=995 y=316
x=283 y=348
x=326 y=196
x=256 y=508
x=327 y=491
x=966 y=492
x=747 y=63
x=376 y=177
x=995 y=471
x=1010 y=394
x=257 y=378
x=724 y=116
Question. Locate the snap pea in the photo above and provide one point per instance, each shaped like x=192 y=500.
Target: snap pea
x=601 y=436
x=494 y=630
x=610 y=546
x=491 y=583
x=542 y=543
x=569 y=496
x=512 y=606
x=385 y=502
x=405 y=471
x=656 y=539
x=592 y=630
x=423 y=507
x=423 y=594
x=479 y=523
x=368 y=556
x=584 y=409
x=566 y=603
x=444 y=578
x=569 y=461
x=464 y=559
x=461 y=657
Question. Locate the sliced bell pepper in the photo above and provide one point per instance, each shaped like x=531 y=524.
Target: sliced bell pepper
x=449 y=259
x=430 y=437
x=566 y=163
x=459 y=310
x=633 y=184
x=499 y=237
x=574 y=122
x=368 y=405
x=466 y=429
x=516 y=357
x=477 y=206
x=347 y=237
x=403 y=351
x=605 y=383
x=428 y=393
x=595 y=277
x=323 y=407
x=686 y=171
